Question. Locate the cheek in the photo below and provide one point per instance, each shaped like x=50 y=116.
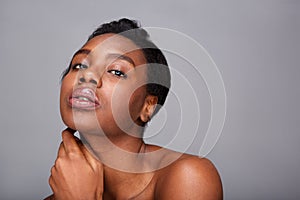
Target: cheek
x=67 y=85
x=65 y=90
x=126 y=106
x=136 y=101
x=65 y=111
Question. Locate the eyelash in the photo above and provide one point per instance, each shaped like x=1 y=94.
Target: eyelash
x=117 y=73
x=79 y=66
x=112 y=71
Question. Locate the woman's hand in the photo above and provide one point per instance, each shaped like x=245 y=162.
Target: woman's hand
x=76 y=174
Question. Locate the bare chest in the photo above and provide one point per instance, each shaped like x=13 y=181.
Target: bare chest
x=137 y=188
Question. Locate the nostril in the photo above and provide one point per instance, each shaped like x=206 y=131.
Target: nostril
x=93 y=81
x=82 y=80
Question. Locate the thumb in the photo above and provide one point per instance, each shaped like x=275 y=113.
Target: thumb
x=69 y=141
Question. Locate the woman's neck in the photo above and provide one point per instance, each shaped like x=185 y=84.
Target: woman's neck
x=121 y=151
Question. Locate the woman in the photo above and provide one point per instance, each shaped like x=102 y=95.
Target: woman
x=114 y=85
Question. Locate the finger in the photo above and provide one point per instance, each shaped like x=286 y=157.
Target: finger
x=53 y=170
x=61 y=150
x=69 y=141
x=89 y=157
x=52 y=183
x=51 y=197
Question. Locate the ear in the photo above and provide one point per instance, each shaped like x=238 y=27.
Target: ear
x=148 y=108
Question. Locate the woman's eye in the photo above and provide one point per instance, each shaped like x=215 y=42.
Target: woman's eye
x=80 y=66
x=118 y=73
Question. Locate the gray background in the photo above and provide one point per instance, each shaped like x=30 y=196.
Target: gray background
x=255 y=44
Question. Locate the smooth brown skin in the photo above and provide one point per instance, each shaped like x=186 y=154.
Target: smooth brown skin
x=77 y=174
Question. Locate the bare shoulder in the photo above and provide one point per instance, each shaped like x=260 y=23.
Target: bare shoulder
x=189 y=177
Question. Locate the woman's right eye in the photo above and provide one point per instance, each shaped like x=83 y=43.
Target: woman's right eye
x=79 y=66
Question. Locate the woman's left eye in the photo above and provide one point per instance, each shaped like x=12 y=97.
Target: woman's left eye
x=118 y=73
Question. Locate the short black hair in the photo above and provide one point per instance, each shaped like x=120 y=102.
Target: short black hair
x=158 y=72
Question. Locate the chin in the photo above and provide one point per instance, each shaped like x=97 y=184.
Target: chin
x=82 y=123
x=68 y=122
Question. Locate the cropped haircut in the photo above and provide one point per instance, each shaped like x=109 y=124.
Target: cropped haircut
x=158 y=72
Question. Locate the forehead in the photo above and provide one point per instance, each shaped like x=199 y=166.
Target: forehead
x=110 y=43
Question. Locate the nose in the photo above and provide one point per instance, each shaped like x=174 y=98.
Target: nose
x=89 y=76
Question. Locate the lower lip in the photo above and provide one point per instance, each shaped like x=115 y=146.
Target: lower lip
x=82 y=105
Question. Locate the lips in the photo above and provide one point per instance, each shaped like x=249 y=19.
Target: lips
x=84 y=98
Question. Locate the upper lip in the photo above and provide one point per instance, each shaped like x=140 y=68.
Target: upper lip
x=85 y=92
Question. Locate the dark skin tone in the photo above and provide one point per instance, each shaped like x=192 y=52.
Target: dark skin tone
x=91 y=171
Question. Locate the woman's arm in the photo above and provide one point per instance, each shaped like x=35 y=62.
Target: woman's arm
x=75 y=174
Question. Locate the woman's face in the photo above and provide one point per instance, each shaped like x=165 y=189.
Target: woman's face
x=104 y=89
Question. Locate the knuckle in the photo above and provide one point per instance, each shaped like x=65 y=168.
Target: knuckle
x=51 y=183
x=58 y=162
x=52 y=170
x=50 y=180
x=73 y=154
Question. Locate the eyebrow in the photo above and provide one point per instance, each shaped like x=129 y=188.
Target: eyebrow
x=82 y=51
x=112 y=55
x=121 y=57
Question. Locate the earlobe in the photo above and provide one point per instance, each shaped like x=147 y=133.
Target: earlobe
x=148 y=108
